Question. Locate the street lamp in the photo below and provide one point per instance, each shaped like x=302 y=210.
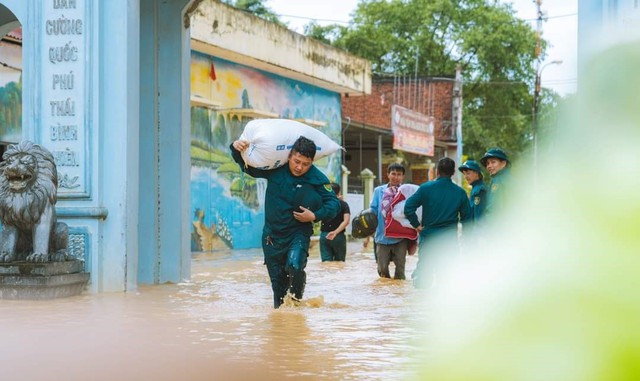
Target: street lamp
x=536 y=95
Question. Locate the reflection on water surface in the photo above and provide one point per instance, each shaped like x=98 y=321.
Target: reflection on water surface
x=221 y=325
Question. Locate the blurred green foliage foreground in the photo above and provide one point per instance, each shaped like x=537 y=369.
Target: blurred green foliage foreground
x=553 y=292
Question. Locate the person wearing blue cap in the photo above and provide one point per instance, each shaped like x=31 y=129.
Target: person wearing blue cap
x=497 y=164
x=478 y=195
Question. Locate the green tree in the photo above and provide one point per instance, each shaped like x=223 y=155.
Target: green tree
x=327 y=34
x=430 y=38
x=553 y=108
x=257 y=8
x=201 y=125
x=11 y=107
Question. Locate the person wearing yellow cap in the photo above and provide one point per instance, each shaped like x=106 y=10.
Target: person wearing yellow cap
x=498 y=166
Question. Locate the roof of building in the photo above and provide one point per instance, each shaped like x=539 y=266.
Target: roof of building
x=15 y=35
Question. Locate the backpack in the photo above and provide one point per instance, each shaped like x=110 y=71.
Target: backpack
x=364 y=224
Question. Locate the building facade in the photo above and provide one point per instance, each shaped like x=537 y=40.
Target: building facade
x=249 y=69
x=106 y=86
x=373 y=140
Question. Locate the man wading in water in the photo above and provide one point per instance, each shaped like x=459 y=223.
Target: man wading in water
x=297 y=194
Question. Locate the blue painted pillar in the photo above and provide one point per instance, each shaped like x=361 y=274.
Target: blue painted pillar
x=118 y=103
x=164 y=252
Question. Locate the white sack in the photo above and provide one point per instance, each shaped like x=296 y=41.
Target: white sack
x=398 y=209
x=270 y=141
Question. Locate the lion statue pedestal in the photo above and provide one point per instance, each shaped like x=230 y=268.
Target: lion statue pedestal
x=34 y=259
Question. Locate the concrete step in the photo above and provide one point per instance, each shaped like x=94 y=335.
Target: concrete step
x=35 y=281
x=43 y=269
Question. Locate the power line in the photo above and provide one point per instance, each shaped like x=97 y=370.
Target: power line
x=553 y=17
x=496 y=83
x=10 y=66
x=519 y=116
x=349 y=22
x=314 y=19
x=551 y=81
x=560 y=81
x=516 y=116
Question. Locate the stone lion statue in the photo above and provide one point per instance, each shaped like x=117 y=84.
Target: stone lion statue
x=28 y=194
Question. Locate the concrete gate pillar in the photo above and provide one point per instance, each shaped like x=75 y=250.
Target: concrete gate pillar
x=367 y=185
x=165 y=157
x=124 y=158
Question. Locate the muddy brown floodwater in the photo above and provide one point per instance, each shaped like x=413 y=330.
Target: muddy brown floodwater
x=221 y=326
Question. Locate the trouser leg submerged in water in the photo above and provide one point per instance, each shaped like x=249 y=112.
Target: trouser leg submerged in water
x=296 y=263
x=335 y=249
x=286 y=260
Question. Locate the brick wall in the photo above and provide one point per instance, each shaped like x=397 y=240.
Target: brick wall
x=427 y=96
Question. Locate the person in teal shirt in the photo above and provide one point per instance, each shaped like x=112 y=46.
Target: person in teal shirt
x=478 y=195
x=297 y=194
x=498 y=166
x=444 y=204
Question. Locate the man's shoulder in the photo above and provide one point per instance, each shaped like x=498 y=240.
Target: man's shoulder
x=503 y=175
x=479 y=188
x=379 y=189
x=277 y=174
x=431 y=184
x=498 y=179
x=450 y=185
x=455 y=186
x=315 y=176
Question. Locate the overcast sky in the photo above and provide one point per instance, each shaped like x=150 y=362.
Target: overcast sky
x=560 y=29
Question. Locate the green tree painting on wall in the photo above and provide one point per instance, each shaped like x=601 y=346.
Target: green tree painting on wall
x=11 y=111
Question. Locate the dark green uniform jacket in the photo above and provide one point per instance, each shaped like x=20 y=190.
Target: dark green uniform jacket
x=497 y=190
x=282 y=194
x=478 y=199
x=443 y=204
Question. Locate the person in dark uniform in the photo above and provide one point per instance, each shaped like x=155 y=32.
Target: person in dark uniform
x=333 y=241
x=478 y=196
x=498 y=166
x=444 y=204
x=297 y=194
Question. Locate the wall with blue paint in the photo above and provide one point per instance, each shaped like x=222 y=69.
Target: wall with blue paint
x=10 y=91
x=226 y=205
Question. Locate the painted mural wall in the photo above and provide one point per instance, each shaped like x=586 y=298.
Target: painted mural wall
x=227 y=205
x=10 y=90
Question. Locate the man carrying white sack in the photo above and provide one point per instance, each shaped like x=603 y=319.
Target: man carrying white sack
x=297 y=194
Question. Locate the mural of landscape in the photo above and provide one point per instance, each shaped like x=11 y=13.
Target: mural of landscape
x=10 y=92
x=227 y=205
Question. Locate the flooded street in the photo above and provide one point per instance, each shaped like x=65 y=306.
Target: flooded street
x=221 y=325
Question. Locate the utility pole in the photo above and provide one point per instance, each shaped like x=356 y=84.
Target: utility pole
x=536 y=90
x=536 y=107
x=457 y=117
